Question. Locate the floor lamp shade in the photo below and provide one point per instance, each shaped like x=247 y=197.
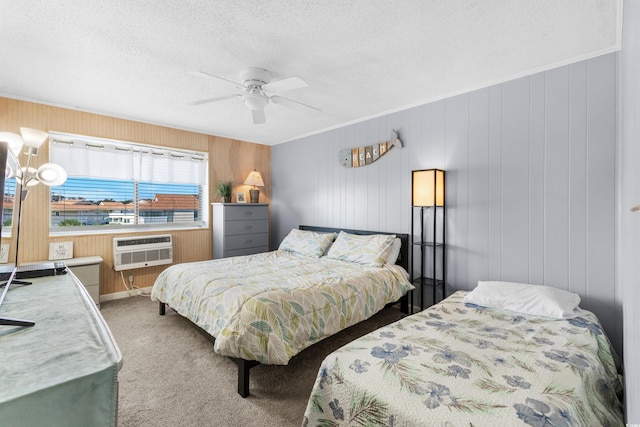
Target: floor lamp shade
x=427 y=187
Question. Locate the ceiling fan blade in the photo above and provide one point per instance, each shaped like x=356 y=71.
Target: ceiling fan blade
x=296 y=105
x=207 y=75
x=286 y=84
x=217 y=98
x=258 y=116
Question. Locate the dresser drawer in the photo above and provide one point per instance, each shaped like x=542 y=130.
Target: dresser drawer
x=241 y=213
x=246 y=251
x=89 y=276
x=246 y=241
x=250 y=226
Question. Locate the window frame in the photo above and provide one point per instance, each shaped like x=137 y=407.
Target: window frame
x=9 y=183
x=203 y=196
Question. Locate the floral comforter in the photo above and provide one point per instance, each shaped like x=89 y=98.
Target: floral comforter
x=460 y=365
x=270 y=306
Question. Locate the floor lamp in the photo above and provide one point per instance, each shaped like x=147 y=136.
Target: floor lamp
x=49 y=174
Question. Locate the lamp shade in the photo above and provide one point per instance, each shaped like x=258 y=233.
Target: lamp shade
x=254 y=179
x=33 y=138
x=51 y=174
x=427 y=187
x=14 y=140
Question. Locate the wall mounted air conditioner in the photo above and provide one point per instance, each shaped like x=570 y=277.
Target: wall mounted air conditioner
x=143 y=251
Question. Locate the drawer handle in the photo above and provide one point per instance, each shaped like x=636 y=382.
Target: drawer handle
x=249 y=241
x=248 y=212
x=248 y=227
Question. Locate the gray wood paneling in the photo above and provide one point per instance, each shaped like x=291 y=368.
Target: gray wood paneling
x=478 y=199
x=628 y=233
x=536 y=167
x=556 y=178
x=515 y=180
x=601 y=141
x=494 y=166
x=457 y=186
x=578 y=178
x=530 y=181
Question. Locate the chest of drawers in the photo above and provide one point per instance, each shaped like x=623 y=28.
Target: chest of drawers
x=240 y=229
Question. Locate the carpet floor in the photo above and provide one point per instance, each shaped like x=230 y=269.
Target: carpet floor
x=172 y=377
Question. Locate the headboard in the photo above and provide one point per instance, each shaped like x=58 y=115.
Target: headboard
x=403 y=258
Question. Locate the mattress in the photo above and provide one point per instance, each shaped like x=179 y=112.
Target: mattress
x=459 y=364
x=270 y=306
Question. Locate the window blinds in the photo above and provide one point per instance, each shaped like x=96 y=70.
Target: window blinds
x=83 y=156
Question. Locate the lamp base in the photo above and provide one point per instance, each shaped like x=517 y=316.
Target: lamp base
x=254 y=195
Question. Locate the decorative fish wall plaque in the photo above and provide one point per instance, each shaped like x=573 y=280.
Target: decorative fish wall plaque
x=362 y=156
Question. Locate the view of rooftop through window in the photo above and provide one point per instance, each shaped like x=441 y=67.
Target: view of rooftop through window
x=96 y=202
x=127 y=185
x=7 y=208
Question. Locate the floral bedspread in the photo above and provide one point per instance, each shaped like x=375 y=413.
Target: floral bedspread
x=460 y=365
x=270 y=306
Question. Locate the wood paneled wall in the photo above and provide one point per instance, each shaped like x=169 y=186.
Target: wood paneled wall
x=628 y=250
x=228 y=159
x=530 y=181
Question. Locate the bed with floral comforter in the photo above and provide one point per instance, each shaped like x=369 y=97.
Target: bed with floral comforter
x=460 y=364
x=268 y=307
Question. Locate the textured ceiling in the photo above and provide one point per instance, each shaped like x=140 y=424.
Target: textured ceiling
x=360 y=58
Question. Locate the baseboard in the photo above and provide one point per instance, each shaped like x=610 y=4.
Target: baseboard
x=123 y=294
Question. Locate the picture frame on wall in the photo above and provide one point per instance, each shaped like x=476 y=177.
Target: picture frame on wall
x=241 y=197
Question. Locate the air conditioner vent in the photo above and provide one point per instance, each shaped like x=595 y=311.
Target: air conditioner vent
x=140 y=252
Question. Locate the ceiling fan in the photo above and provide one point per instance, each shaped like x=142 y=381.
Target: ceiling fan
x=257 y=90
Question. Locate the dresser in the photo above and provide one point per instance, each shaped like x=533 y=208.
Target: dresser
x=63 y=371
x=240 y=229
x=87 y=270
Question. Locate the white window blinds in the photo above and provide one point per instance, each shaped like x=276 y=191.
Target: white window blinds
x=108 y=159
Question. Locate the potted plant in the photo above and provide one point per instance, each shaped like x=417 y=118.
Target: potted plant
x=224 y=191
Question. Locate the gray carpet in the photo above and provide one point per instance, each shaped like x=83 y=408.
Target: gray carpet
x=172 y=377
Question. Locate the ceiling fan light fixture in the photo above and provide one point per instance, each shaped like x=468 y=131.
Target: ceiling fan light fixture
x=257 y=91
x=255 y=100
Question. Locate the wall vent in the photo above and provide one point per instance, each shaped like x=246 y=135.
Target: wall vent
x=140 y=252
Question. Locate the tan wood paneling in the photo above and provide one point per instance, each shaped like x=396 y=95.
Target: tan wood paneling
x=228 y=159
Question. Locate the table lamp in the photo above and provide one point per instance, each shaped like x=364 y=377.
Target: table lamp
x=254 y=179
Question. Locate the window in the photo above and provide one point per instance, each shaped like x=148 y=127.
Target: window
x=7 y=206
x=9 y=196
x=115 y=185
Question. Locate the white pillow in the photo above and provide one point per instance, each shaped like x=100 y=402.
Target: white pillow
x=524 y=298
x=364 y=249
x=308 y=243
x=392 y=256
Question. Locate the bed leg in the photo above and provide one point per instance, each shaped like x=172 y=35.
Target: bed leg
x=162 y=309
x=404 y=303
x=243 y=374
